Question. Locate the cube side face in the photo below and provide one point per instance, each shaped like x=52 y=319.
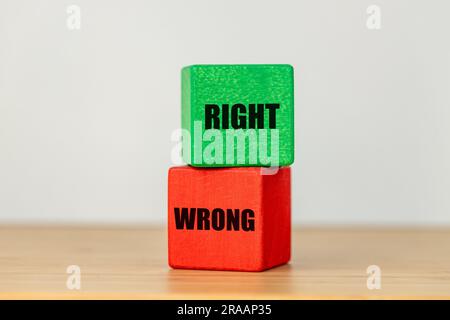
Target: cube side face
x=221 y=246
x=235 y=89
x=186 y=113
x=277 y=217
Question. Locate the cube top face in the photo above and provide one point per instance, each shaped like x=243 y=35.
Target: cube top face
x=238 y=115
x=228 y=218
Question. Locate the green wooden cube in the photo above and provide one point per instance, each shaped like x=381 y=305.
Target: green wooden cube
x=238 y=115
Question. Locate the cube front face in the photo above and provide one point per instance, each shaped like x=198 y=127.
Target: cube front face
x=218 y=219
x=238 y=115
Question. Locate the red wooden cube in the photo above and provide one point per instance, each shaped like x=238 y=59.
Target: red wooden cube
x=229 y=218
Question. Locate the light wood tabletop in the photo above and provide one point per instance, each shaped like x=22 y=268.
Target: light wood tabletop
x=131 y=263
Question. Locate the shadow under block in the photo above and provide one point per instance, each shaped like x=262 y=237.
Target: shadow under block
x=225 y=103
x=229 y=218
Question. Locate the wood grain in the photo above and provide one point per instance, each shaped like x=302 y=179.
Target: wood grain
x=131 y=263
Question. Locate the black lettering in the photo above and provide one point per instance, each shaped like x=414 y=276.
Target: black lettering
x=225 y=116
x=248 y=224
x=256 y=115
x=218 y=219
x=272 y=114
x=233 y=219
x=212 y=112
x=202 y=219
x=185 y=219
x=235 y=110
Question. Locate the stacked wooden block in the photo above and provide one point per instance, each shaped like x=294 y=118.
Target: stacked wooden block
x=230 y=208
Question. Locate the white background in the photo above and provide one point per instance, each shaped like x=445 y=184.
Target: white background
x=86 y=115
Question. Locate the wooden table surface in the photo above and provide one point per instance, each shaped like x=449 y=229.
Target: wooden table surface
x=131 y=263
